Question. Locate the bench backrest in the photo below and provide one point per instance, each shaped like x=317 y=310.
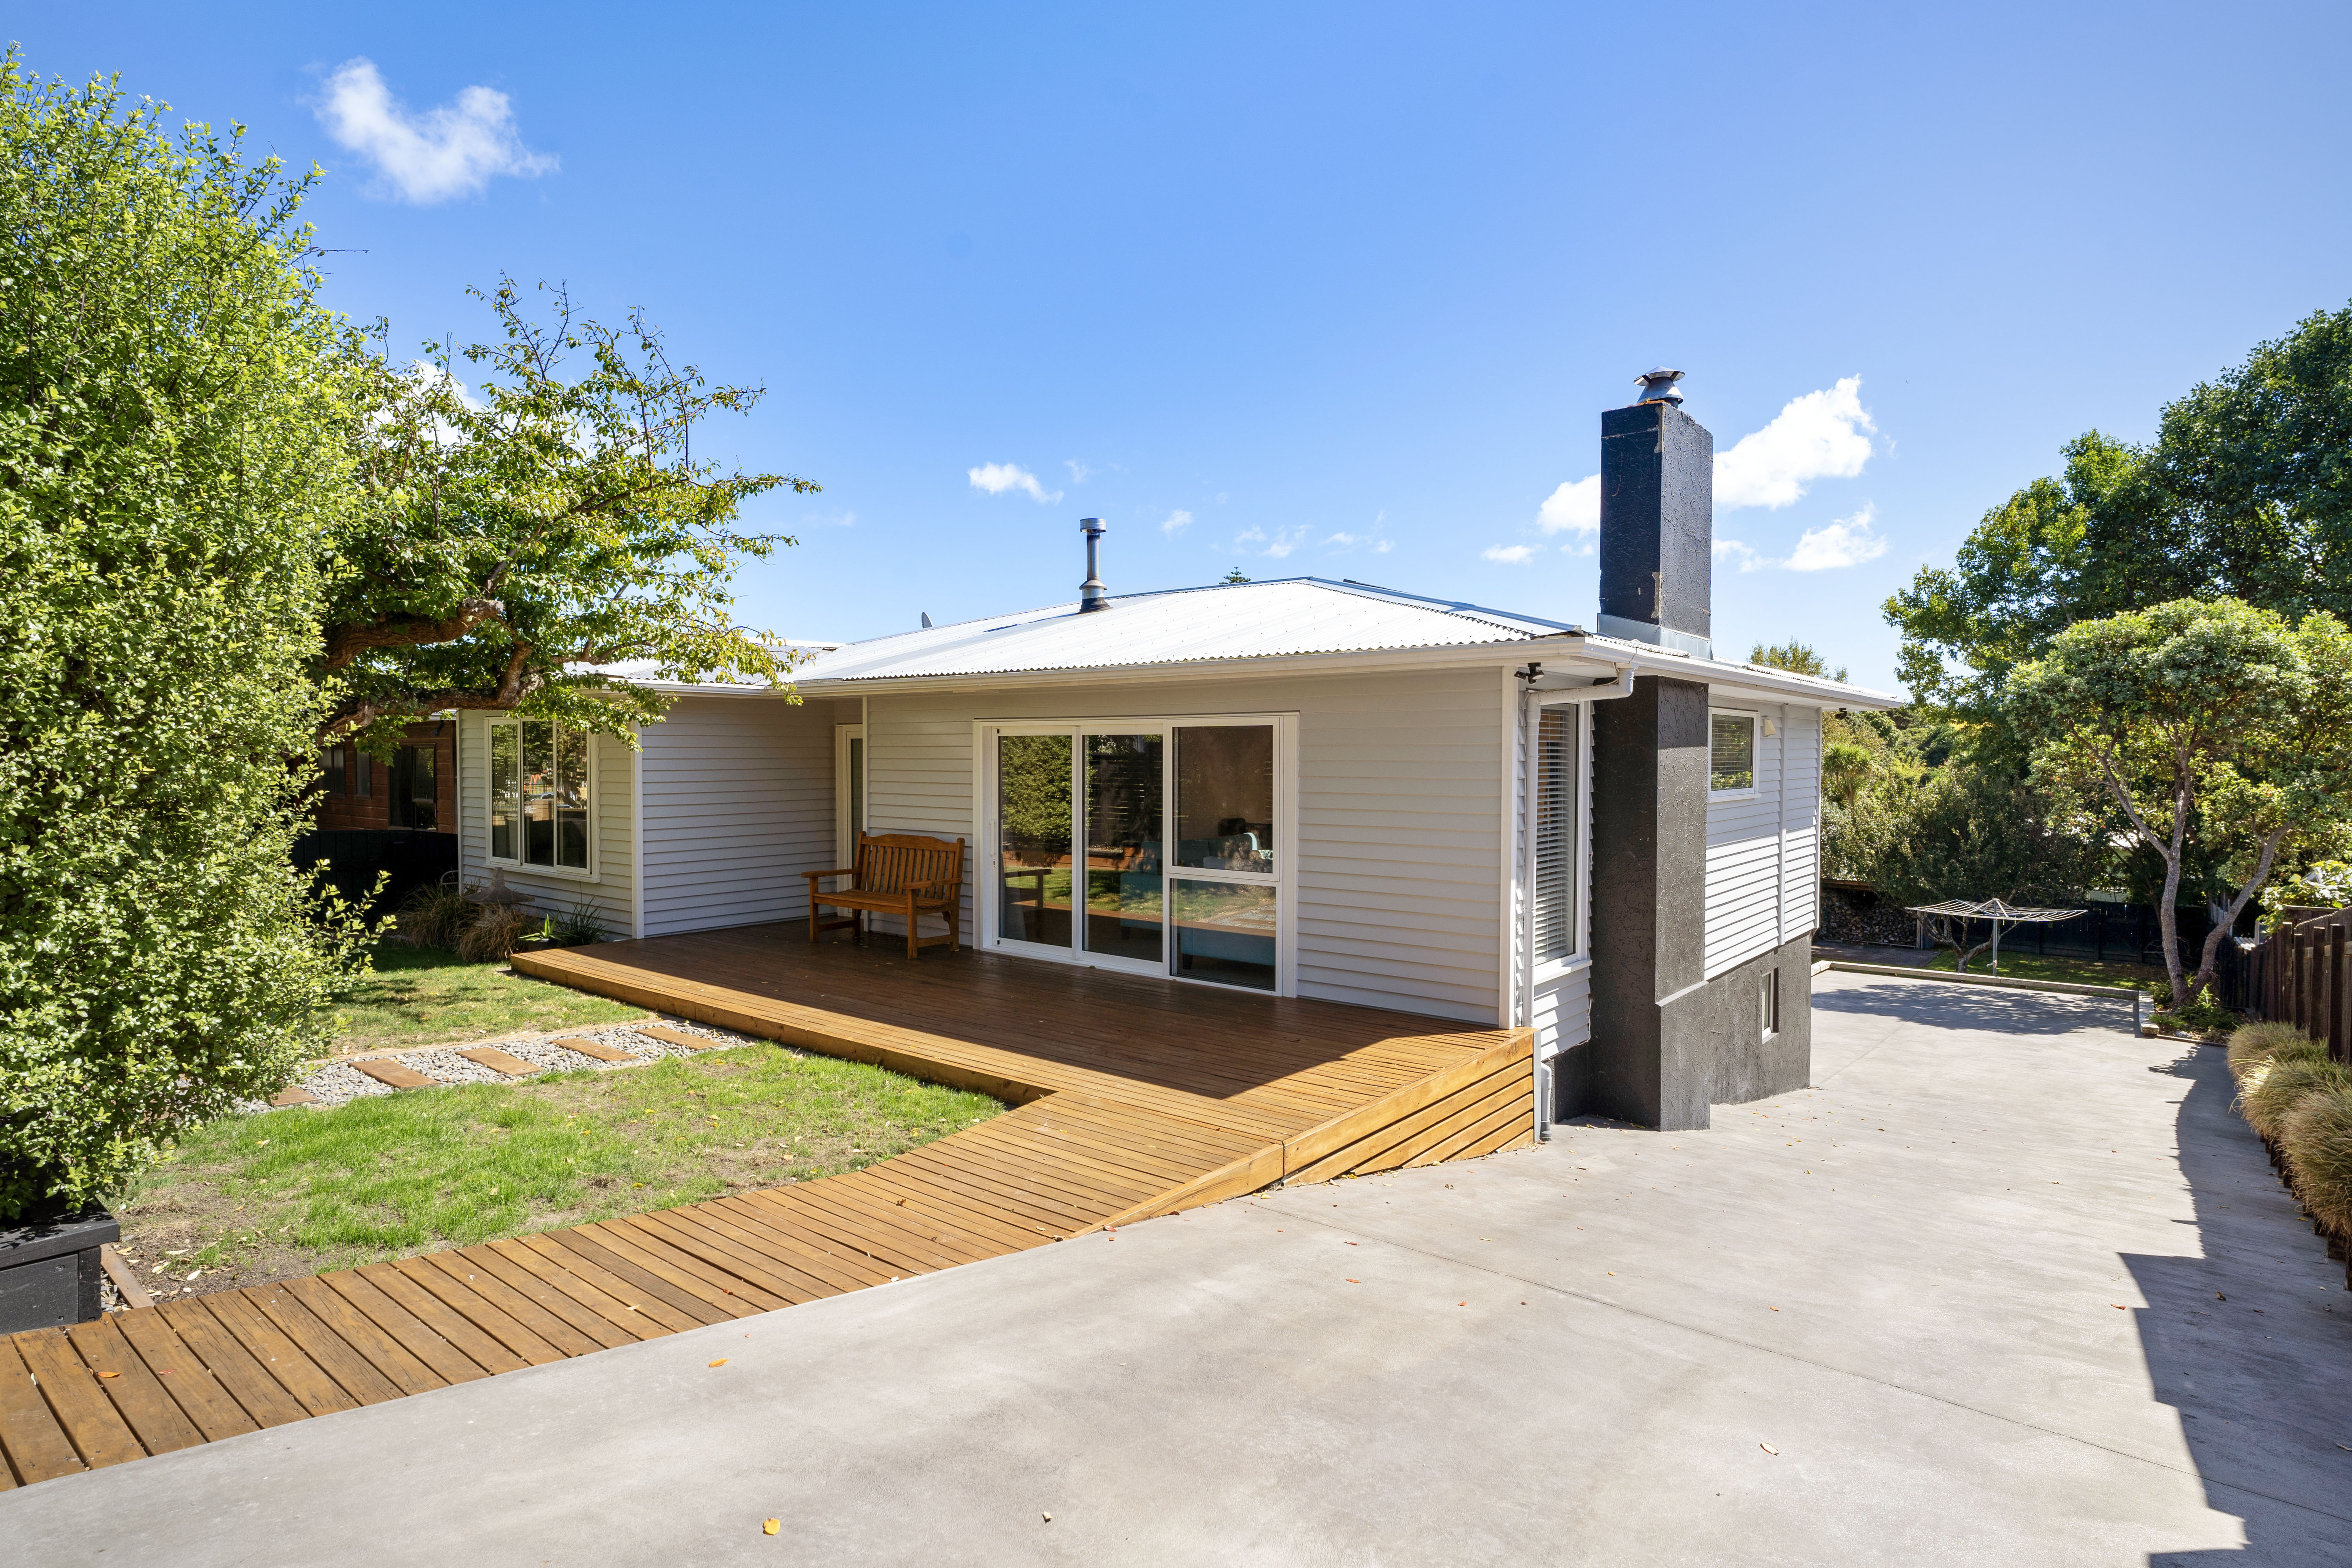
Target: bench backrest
x=894 y=862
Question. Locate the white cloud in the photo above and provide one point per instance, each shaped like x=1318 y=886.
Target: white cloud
x=452 y=151
x=1515 y=554
x=1382 y=548
x=998 y=478
x=1344 y=541
x=1079 y=471
x=1849 y=541
x=1732 y=550
x=1821 y=435
x=1278 y=543
x=1575 y=505
x=1178 y=521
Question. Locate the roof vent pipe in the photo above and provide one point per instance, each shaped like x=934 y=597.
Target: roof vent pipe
x=1658 y=386
x=1091 y=595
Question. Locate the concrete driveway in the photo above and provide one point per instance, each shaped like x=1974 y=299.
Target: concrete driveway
x=2007 y=1285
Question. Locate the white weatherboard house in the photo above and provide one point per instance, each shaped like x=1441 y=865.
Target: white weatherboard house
x=1310 y=788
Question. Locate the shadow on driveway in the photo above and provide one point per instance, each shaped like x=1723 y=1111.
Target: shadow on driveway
x=2243 y=1340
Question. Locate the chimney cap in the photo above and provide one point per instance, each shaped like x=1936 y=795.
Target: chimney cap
x=1091 y=525
x=1658 y=386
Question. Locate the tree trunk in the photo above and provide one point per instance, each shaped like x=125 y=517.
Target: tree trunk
x=2210 y=960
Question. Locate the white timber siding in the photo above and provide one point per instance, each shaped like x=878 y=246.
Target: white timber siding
x=1763 y=847
x=612 y=890
x=1396 y=874
x=738 y=804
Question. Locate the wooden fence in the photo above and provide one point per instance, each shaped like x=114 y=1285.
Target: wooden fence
x=2298 y=975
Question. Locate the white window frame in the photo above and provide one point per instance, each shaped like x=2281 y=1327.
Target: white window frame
x=1755 y=753
x=1284 y=878
x=1547 y=969
x=594 y=872
x=845 y=840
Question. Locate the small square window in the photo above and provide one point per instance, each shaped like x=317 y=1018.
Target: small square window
x=1731 y=753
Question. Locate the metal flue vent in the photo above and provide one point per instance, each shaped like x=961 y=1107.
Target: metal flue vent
x=1091 y=594
x=1658 y=386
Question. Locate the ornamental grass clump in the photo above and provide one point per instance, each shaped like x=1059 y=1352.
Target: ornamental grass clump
x=2269 y=1094
x=436 y=917
x=2316 y=1139
x=497 y=934
x=2253 y=1044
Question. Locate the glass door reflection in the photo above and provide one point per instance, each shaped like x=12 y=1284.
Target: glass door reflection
x=1034 y=840
x=1125 y=898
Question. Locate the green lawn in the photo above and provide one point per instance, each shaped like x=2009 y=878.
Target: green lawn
x=291 y=1191
x=2074 y=971
x=424 y=996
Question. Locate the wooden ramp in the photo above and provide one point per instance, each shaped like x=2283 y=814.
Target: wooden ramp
x=1133 y=1098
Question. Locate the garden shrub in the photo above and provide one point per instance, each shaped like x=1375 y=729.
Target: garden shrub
x=173 y=447
x=576 y=927
x=2316 y=1139
x=2270 y=1092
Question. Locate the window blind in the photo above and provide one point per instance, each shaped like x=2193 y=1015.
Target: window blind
x=1555 y=833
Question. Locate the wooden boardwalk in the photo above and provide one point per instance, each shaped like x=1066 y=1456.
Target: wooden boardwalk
x=1133 y=1098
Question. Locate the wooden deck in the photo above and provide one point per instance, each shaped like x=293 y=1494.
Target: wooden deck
x=1133 y=1098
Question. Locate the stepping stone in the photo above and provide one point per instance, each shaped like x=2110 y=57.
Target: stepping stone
x=586 y=1048
x=679 y=1038
x=391 y=1073
x=297 y=1095
x=497 y=1060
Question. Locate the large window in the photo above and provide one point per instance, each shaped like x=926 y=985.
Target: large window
x=1731 y=753
x=1142 y=844
x=1558 y=777
x=540 y=793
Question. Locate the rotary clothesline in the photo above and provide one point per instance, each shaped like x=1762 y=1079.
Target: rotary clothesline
x=1994 y=910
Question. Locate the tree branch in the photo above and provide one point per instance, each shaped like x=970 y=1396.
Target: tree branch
x=346 y=643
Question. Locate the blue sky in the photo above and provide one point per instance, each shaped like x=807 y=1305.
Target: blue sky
x=1337 y=290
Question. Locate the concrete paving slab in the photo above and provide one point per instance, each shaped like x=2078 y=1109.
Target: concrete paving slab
x=2007 y=1285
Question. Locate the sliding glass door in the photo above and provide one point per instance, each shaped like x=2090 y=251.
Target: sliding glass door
x=1124 y=786
x=1154 y=847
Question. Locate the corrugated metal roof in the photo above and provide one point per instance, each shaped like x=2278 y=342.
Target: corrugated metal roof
x=1226 y=621
x=1290 y=618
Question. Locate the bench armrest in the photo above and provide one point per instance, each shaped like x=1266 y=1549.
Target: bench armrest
x=837 y=871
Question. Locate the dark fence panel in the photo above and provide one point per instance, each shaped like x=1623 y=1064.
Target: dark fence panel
x=354 y=856
x=2108 y=934
x=2299 y=974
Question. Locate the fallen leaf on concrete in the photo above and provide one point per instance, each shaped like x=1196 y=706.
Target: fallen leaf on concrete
x=2119 y=1306
x=720 y=1362
x=1355 y=1282
x=1767 y=1447
x=1049 y=1519
x=770 y=1526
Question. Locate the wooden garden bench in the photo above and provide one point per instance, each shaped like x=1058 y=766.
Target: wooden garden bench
x=903 y=874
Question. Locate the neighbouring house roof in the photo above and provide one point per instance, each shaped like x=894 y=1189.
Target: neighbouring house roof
x=1295 y=618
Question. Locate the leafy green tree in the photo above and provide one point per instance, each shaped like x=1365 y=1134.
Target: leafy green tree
x=550 y=516
x=172 y=460
x=2245 y=493
x=2215 y=727
x=1798 y=658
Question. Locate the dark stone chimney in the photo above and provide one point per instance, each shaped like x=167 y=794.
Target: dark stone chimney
x=1651 y=1057
x=1657 y=521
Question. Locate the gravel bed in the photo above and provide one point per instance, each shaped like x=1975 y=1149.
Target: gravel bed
x=339 y=1083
